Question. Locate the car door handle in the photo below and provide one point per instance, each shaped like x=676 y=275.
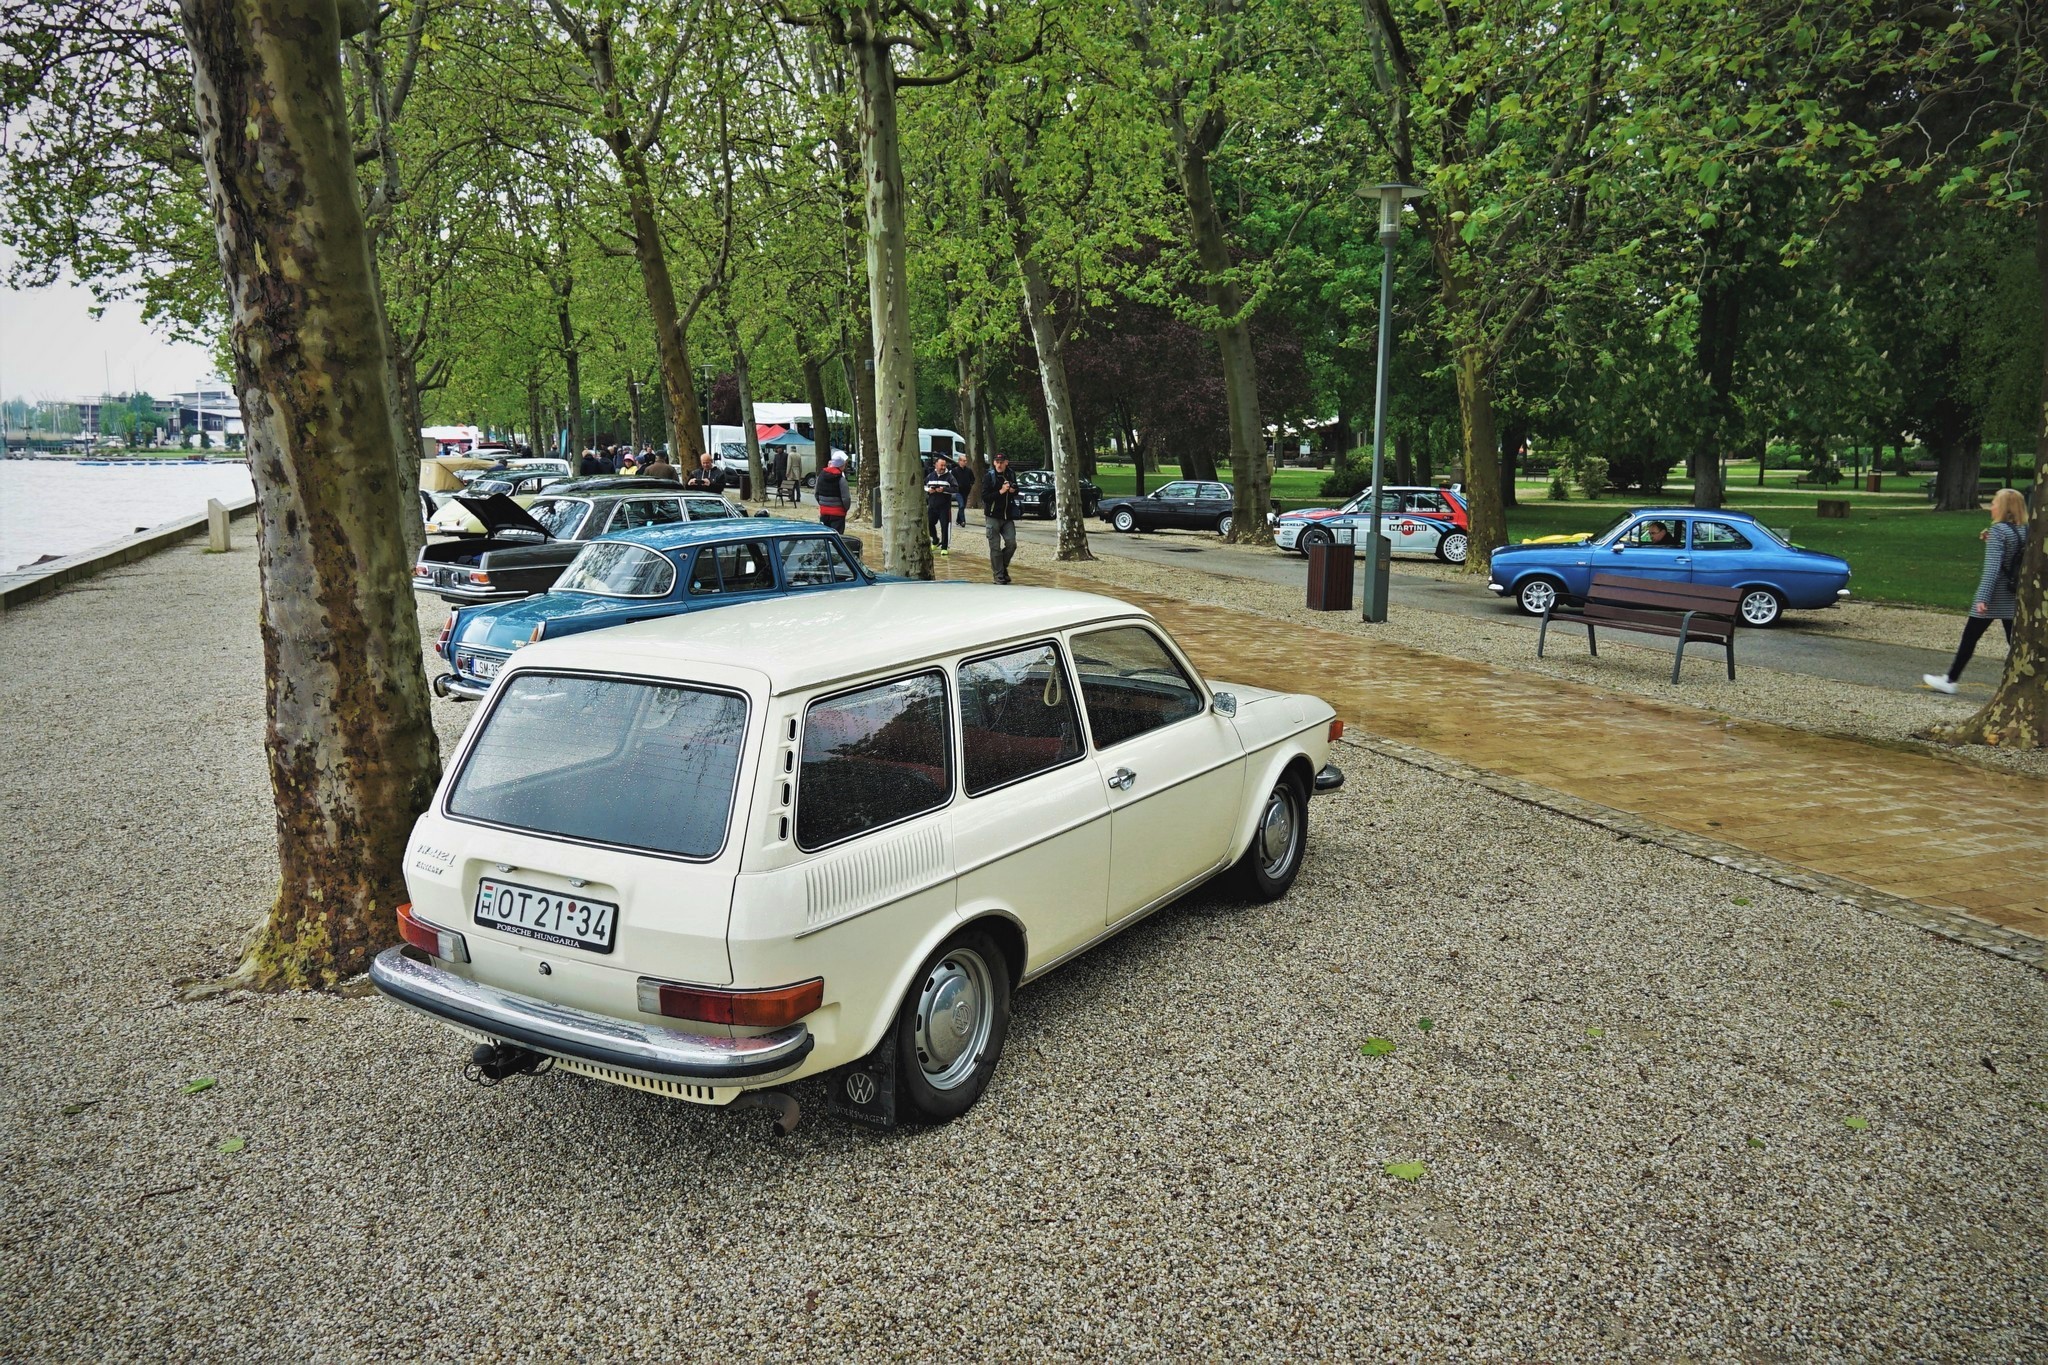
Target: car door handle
x=1122 y=779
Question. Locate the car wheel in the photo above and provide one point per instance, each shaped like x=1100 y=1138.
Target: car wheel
x=1538 y=595
x=1223 y=526
x=1761 y=607
x=1453 y=548
x=1123 y=520
x=951 y=1027
x=1279 y=842
x=1312 y=538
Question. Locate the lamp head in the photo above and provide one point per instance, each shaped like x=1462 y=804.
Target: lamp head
x=1392 y=196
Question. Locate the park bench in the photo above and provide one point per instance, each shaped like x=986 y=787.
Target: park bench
x=1652 y=606
x=1985 y=487
x=789 y=490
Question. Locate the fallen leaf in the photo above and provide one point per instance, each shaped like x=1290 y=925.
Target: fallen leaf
x=1592 y=1032
x=1425 y=1024
x=1754 y=1141
x=73 y=1110
x=1742 y=900
x=1377 y=1047
x=193 y=1087
x=233 y=1145
x=1405 y=1170
x=1859 y=1124
x=1839 y=1004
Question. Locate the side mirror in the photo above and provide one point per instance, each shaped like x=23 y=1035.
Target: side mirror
x=1224 y=704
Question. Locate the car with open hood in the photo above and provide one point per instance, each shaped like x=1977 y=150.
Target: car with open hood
x=831 y=834
x=639 y=575
x=1720 y=548
x=523 y=550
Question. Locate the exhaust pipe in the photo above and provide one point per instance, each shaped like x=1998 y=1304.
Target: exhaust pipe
x=493 y=1062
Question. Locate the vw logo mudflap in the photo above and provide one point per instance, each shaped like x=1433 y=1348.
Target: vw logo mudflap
x=865 y=1091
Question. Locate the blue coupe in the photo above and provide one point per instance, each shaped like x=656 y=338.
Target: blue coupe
x=1687 y=545
x=634 y=575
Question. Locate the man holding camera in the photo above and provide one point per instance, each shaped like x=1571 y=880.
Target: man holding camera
x=999 y=515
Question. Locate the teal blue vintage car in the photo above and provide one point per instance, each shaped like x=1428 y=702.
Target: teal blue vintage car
x=637 y=575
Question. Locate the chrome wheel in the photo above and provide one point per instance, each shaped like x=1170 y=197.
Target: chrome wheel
x=1223 y=526
x=1761 y=607
x=1536 y=596
x=955 y=1013
x=1279 y=832
x=1453 y=547
x=1123 y=520
x=1311 y=539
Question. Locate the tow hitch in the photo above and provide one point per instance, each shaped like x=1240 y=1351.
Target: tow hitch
x=493 y=1062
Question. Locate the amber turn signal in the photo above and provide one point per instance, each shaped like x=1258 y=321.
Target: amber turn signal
x=771 y=1008
x=434 y=942
x=1336 y=730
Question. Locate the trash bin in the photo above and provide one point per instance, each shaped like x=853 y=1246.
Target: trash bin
x=1329 y=577
x=1873 y=482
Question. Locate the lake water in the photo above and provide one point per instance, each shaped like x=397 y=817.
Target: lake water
x=60 y=507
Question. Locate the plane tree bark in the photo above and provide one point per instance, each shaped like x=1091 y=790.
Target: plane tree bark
x=349 y=738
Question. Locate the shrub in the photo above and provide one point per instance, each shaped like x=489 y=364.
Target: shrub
x=1350 y=479
x=1591 y=476
x=1558 y=492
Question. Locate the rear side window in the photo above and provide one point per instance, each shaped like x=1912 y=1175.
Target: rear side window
x=871 y=758
x=1017 y=717
x=559 y=517
x=1712 y=535
x=709 y=509
x=608 y=760
x=611 y=569
x=647 y=512
x=814 y=561
x=1131 y=684
x=744 y=567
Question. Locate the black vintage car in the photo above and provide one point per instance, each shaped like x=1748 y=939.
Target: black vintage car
x=524 y=549
x=1193 y=504
x=1035 y=496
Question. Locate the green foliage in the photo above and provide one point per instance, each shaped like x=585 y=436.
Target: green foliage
x=1589 y=472
x=1557 y=490
x=1377 y=1047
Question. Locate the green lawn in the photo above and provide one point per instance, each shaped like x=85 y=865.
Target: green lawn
x=1898 y=548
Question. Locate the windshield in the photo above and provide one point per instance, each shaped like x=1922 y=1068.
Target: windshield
x=611 y=569
x=1613 y=528
x=559 y=517
x=608 y=760
x=485 y=487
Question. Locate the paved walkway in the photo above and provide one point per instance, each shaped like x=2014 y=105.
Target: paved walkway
x=1952 y=837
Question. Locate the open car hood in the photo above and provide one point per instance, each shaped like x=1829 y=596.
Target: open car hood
x=499 y=513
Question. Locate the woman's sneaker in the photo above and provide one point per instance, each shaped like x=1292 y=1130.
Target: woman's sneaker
x=1938 y=682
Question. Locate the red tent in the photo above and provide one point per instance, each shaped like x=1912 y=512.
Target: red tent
x=768 y=431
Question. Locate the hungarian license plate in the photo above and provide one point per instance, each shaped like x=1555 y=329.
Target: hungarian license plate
x=548 y=916
x=483 y=667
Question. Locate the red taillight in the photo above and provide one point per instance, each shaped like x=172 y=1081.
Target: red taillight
x=1336 y=730
x=445 y=944
x=422 y=571
x=748 y=1009
x=447 y=630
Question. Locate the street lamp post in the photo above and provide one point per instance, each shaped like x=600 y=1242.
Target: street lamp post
x=1377 y=552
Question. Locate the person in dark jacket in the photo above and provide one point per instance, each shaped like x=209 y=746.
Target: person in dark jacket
x=658 y=468
x=1997 y=595
x=707 y=477
x=590 y=464
x=963 y=487
x=832 y=495
x=999 y=516
x=938 y=506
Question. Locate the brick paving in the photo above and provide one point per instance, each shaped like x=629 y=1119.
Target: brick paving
x=1969 y=844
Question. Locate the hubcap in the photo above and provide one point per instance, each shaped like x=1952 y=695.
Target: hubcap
x=1223 y=527
x=1759 y=608
x=1277 y=827
x=1537 y=597
x=1125 y=521
x=955 y=1011
x=1454 y=549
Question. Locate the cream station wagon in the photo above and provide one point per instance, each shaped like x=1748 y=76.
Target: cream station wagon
x=712 y=854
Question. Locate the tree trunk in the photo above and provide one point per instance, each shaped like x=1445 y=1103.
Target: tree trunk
x=755 y=470
x=1252 y=480
x=406 y=376
x=821 y=420
x=1510 y=460
x=533 y=417
x=1720 y=321
x=971 y=424
x=860 y=381
x=632 y=410
x=894 y=462
x=1962 y=460
x=572 y=367
x=1404 y=461
x=1482 y=460
x=1052 y=371
x=349 y=738
x=2016 y=717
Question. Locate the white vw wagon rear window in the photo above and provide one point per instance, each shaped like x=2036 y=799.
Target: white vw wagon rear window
x=606 y=760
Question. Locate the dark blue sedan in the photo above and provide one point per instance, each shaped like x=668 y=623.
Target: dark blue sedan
x=1722 y=548
x=634 y=575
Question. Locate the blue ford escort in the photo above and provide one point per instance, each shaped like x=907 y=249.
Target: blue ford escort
x=1687 y=545
x=634 y=575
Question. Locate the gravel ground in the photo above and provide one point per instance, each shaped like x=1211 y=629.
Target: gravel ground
x=1818 y=704
x=1630 y=1104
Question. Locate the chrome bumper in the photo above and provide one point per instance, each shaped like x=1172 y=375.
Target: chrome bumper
x=578 y=1035
x=1329 y=779
x=459 y=688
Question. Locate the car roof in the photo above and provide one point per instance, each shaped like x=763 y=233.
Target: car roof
x=683 y=534
x=620 y=484
x=1717 y=513
x=806 y=640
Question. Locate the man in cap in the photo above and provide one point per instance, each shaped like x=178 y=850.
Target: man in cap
x=832 y=494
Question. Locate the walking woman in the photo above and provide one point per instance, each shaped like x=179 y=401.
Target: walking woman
x=2005 y=541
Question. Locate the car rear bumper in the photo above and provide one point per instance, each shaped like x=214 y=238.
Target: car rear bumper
x=553 y=1030
x=470 y=597
x=458 y=688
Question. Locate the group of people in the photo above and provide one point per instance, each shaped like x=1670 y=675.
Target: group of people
x=947 y=490
x=624 y=460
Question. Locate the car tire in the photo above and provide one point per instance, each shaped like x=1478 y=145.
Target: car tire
x=1453 y=546
x=1761 y=608
x=1224 y=524
x=1279 y=842
x=1313 y=537
x=951 y=1027
x=1124 y=520
x=1535 y=595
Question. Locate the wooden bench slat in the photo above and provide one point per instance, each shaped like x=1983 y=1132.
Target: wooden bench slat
x=1686 y=612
